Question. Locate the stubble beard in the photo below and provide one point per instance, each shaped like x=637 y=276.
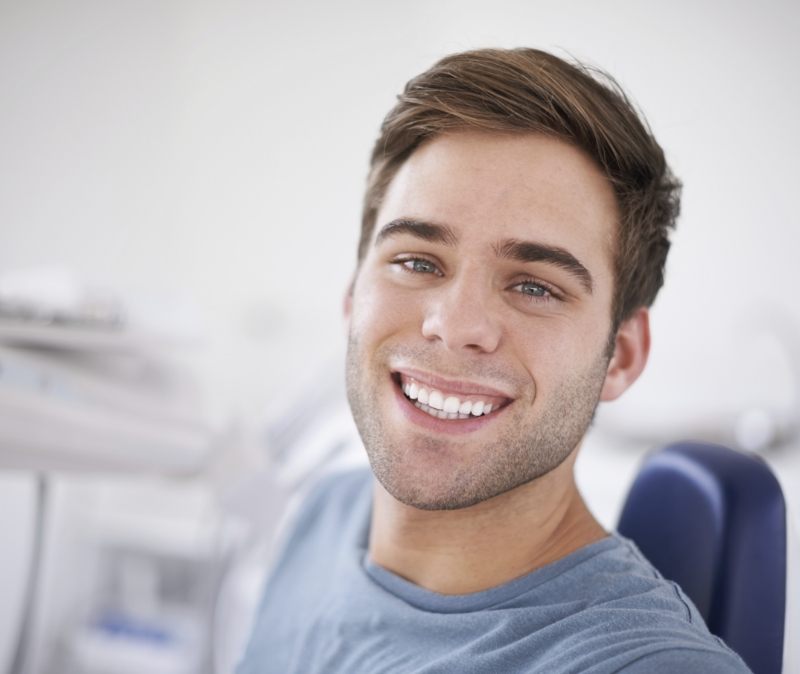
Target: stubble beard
x=525 y=448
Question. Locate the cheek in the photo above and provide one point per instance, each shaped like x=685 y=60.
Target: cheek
x=380 y=309
x=552 y=349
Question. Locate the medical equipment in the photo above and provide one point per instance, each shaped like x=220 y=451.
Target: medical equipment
x=85 y=391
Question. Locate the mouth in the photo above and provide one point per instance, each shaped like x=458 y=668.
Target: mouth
x=449 y=401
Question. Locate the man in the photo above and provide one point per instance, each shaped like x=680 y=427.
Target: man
x=514 y=234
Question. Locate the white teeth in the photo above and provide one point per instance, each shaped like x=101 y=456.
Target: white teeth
x=442 y=414
x=451 y=405
x=437 y=405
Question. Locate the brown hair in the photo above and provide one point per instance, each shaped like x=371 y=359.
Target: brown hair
x=527 y=90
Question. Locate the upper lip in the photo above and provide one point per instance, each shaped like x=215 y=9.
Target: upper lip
x=440 y=383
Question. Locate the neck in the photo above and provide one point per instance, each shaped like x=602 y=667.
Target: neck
x=485 y=545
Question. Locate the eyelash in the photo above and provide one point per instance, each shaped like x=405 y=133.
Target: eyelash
x=407 y=264
x=550 y=293
x=403 y=264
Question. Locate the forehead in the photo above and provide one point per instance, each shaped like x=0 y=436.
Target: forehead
x=489 y=186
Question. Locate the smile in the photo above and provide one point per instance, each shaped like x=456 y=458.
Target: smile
x=441 y=403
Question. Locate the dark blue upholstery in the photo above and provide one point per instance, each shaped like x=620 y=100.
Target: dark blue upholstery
x=714 y=520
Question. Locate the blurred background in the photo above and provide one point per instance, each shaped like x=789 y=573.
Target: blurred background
x=180 y=191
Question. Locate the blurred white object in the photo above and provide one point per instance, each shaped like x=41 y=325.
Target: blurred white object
x=64 y=410
x=86 y=383
x=17 y=522
x=51 y=307
x=157 y=552
x=755 y=430
x=90 y=383
x=54 y=295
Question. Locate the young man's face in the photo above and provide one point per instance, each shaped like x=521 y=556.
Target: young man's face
x=486 y=291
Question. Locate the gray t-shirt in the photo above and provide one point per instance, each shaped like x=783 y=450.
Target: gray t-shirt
x=328 y=608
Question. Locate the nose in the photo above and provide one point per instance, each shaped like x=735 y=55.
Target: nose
x=460 y=315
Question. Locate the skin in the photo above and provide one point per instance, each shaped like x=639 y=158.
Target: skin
x=462 y=506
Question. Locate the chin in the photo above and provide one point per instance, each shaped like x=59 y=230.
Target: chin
x=454 y=489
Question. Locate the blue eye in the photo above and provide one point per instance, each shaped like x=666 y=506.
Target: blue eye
x=423 y=266
x=533 y=289
x=418 y=265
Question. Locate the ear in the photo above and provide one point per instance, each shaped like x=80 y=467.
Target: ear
x=631 y=348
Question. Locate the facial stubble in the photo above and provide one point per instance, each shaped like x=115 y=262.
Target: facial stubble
x=431 y=473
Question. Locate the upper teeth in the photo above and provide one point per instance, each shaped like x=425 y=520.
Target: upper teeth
x=449 y=404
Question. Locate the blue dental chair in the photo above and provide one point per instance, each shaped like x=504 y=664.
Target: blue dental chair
x=714 y=521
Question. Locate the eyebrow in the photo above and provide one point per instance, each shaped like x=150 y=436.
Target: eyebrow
x=528 y=251
x=427 y=231
x=512 y=249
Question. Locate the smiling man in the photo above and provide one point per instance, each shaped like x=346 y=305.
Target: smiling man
x=515 y=231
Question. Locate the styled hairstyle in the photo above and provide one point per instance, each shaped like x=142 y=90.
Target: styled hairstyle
x=531 y=91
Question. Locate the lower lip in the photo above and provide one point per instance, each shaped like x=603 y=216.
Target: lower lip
x=452 y=426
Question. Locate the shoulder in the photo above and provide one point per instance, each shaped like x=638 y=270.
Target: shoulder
x=688 y=661
x=622 y=578
x=616 y=609
x=326 y=531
